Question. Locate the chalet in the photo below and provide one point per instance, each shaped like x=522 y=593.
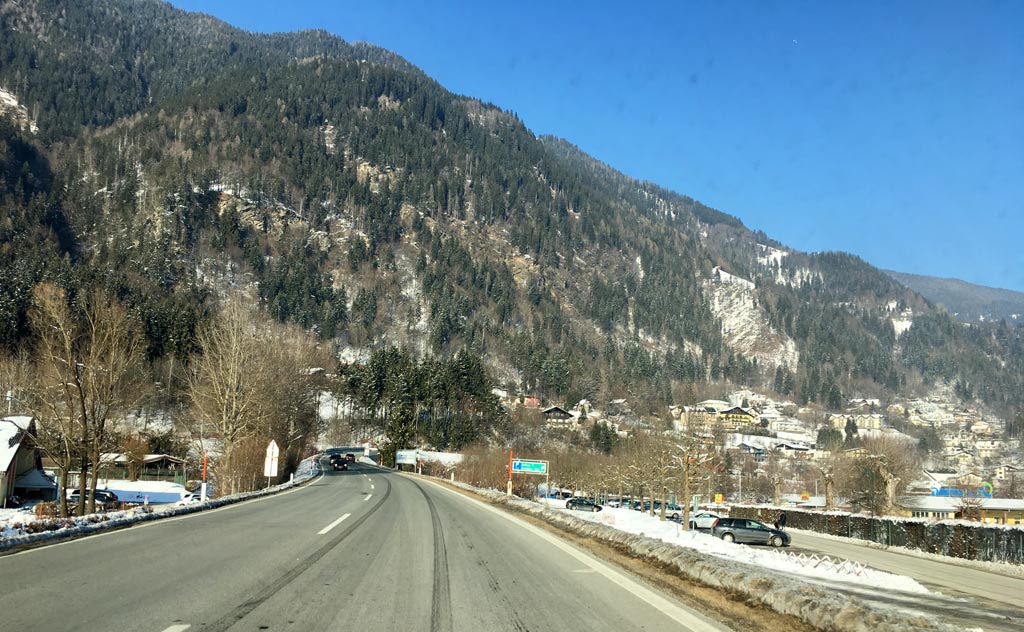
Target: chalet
x=784 y=424
x=864 y=422
x=989 y=448
x=21 y=471
x=714 y=405
x=556 y=413
x=957 y=458
x=738 y=417
x=981 y=428
x=755 y=451
x=1005 y=471
x=793 y=448
x=144 y=466
x=970 y=479
x=559 y=417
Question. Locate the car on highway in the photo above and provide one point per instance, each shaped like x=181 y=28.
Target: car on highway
x=748 y=531
x=339 y=465
x=582 y=504
x=703 y=520
x=350 y=458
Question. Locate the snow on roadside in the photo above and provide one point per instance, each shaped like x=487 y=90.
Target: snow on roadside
x=16 y=530
x=641 y=523
x=832 y=603
x=1001 y=568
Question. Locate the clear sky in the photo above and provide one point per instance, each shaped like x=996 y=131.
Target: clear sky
x=892 y=130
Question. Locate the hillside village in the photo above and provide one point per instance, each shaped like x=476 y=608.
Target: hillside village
x=960 y=448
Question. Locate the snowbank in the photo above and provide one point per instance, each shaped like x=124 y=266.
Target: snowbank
x=756 y=575
x=20 y=527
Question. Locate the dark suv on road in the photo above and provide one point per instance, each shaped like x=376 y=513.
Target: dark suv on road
x=748 y=531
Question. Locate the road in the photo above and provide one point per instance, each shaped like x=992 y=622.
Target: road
x=363 y=549
x=989 y=599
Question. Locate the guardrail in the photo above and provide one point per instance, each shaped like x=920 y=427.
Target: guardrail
x=825 y=562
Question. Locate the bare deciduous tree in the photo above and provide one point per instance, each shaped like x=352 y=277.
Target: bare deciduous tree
x=254 y=381
x=87 y=371
x=228 y=385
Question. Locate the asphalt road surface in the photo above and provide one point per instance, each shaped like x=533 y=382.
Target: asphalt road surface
x=972 y=597
x=364 y=549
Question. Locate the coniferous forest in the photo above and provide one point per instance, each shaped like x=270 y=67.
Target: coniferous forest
x=420 y=234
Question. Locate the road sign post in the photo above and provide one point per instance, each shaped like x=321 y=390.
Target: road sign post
x=523 y=466
x=270 y=463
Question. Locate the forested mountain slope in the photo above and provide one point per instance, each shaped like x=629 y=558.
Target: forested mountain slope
x=177 y=156
x=967 y=301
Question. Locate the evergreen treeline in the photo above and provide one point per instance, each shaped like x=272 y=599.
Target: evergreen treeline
x=446 y=403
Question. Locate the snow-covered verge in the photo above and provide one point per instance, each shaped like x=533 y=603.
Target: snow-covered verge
x=759 y=576
x=19 y=528
x=1002 y=568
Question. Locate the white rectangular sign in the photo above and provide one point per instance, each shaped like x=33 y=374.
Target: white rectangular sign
x=270 y=463
x=406 y=457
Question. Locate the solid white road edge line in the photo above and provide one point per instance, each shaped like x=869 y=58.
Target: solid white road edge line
x=666 y=607
x=333 y=524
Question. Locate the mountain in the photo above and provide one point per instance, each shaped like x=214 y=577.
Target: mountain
x=166 y=157
x=966 y=301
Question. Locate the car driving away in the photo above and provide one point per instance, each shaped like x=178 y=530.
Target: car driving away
x=748 y=531
x=338 y=462
x=582 y=504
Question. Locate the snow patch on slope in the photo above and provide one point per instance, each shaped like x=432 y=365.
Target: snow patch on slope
x=9 y=106
x=770 y=256
x=902 y=321
x=744 y=327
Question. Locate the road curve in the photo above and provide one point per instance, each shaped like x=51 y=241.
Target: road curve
x=366 y=548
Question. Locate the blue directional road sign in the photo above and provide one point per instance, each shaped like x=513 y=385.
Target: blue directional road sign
x=520 y=466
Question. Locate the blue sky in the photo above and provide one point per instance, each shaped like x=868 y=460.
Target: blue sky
x=892 y=130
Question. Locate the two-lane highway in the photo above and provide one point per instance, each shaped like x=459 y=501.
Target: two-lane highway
x=364 y=548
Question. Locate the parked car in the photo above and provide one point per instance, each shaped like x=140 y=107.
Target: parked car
x=703 y=520
x=748 y=531
x=190 y=498
x=672 y=510
x=582 y=504
x=102 y=496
